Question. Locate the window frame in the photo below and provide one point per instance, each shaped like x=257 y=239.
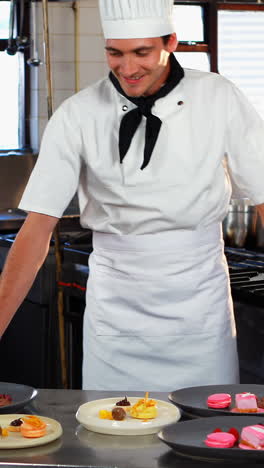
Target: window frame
x=210 y=36
x=24 y=89
x=211 y=8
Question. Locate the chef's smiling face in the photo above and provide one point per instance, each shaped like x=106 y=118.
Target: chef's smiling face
x=140 y=65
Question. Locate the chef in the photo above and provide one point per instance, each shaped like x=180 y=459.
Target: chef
x=151 y=149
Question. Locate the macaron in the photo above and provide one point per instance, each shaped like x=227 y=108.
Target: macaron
x=219 y=400
x=220 y=440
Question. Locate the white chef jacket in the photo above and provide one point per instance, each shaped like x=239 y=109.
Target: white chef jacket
x=208 y=129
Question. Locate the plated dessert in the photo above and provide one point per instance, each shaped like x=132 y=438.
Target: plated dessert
x=219 y=400
x=5 y=399
x=214 y=400
x=250 y=438
x=138 y=416
x=245 y=402
x=28 y=426
x=15 y=396
x=144 y=409
x=23 y=430
x=220 y=438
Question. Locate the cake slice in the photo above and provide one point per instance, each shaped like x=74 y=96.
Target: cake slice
x=246 y=402
x=252 y=437
x=144 y=409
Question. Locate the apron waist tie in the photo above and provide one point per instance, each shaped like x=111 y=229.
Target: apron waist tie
x=163 y=241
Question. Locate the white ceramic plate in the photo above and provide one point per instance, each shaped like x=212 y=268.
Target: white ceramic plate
x=15 y=440
x=88 y=416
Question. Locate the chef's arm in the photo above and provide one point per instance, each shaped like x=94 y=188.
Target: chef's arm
x=260 y=209
x=23 y=262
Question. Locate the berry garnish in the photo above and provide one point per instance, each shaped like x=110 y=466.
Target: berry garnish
x=217 y=430
x=235 y=432
x=16 y=422
x=124 y=402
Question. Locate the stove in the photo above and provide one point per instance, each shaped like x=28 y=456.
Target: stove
x=246 y=269
x=39 y=309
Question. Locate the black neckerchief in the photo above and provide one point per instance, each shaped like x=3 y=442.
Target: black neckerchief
x=132 y=119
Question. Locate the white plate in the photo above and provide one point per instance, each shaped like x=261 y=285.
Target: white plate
x=88 y=416
x=16 y=440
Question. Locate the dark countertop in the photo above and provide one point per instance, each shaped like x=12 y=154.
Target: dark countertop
x=81 y=448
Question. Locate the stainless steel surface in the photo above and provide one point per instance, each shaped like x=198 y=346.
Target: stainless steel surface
x=34 y=59
x=81 y=448
x=240 y=224
x=45 y=13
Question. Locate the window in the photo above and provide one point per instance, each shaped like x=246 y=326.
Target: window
x=188 y=20
x=12 y=95
x=241 y=52
x=192 y=51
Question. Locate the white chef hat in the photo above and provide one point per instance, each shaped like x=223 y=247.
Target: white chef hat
x=131 y=19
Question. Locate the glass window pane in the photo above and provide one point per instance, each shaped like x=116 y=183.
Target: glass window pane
x=4 y=19
x=9 y=66
x=188 y=21
x=241 y=52
x=197 y=60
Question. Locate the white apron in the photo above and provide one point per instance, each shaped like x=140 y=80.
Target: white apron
x=159 y=312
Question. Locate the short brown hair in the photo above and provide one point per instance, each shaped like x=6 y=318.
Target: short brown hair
x=166 y=39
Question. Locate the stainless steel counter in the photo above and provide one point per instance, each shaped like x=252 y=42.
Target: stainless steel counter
x=81 y=448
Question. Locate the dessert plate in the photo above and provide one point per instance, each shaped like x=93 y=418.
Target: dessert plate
x=193 y=400
x=15 y=440
x=88 y=416
x=187 y=439
x=21 y=395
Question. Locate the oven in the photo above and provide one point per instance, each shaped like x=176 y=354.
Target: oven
x=30 y=345
x=246 y=269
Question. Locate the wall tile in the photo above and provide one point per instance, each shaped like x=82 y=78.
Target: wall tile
x=92 y=49
x=63 y=75
x=41 y=127
x=90 y=21
x=92 y=63
x=62 y=48
x=42 y=77
x=42 y=104
x=88 y=3
x=61 y=95
x=91 y=72
x=62 y=20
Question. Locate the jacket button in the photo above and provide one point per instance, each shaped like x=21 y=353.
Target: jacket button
x=180 y=103
x=125 y=108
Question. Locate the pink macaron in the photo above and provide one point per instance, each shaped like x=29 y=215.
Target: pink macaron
x=220 y=440
x=219 y=400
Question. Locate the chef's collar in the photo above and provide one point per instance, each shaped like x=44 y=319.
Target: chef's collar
x=132 y=119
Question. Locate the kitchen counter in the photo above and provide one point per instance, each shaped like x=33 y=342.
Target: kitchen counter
x=81 y=448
